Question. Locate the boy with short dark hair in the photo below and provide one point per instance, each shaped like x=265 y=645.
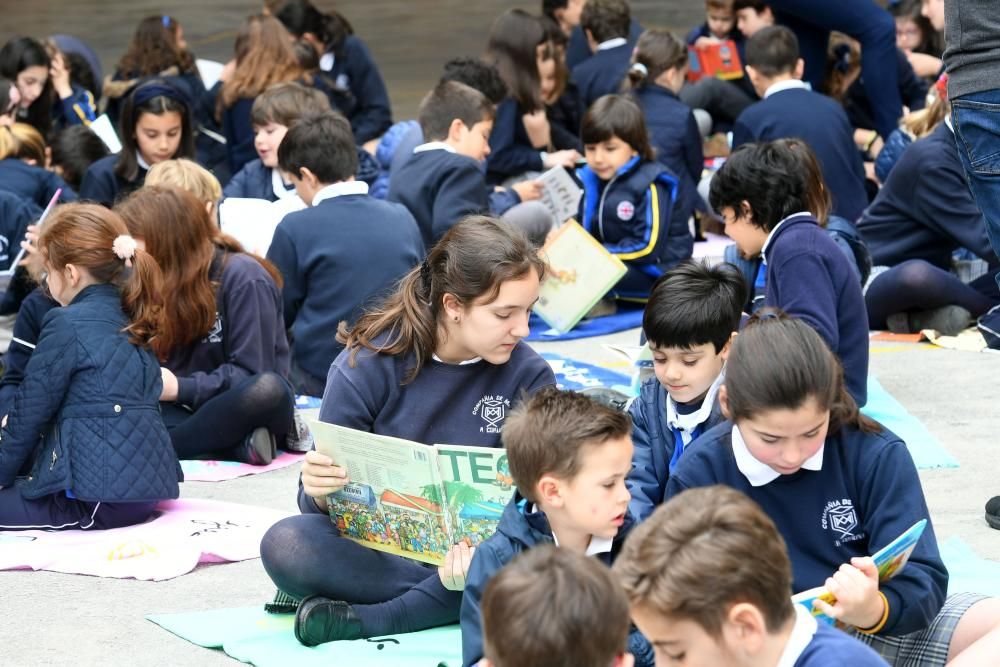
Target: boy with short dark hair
x=761 y=195
x=550 y=606
x=569 y=457
x=339 y=254
x=606 y=25
x=708 y=578
x=692 y=314
x=443 y=181
x=752 y=16
x=273 y=112
x=788 y=108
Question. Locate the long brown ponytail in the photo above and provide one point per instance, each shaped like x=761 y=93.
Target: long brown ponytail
x=470 y=262
x=85 y=235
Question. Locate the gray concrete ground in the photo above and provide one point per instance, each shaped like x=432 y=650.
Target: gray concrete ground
x=62 y=619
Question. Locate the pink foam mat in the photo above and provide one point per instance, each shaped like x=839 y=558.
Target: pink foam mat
x=220 y=471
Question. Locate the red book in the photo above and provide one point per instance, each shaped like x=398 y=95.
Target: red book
x=720 y=60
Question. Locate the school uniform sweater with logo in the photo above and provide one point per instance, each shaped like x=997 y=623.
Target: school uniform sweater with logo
x=336 y=258
x=864 y=496
x=635 y=215
x=823 y=125
x=810 y=278
x=440 y=187
x=451 y=404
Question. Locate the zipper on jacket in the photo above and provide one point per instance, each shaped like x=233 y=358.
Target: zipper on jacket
x=55 y=453
x=54 y=457
x=600 y=207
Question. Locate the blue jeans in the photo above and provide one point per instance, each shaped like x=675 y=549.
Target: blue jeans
x=976 y=119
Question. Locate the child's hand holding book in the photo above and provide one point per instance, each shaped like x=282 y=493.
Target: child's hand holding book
x=320 y=478
x=456 y=566
x=856 y=598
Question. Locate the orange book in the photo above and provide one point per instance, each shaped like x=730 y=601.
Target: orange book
x=720 y=60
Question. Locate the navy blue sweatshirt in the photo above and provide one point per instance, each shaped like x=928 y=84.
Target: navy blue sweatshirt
x=15 y=216
x=27 y=328
x=578 y=48
x=332 y=270
x=676 y=140
x=912 y=89
x=248 y=337
x=925 y=209
x=32 y=183
x=511 y=152
x=521 y=528
x=602 y=73
x=868 y=483
x=368 y=108
x=635 y=216
x=254 y=180
x=440 y=188
x=102 y=185
x=810 y=278
x=823 y=125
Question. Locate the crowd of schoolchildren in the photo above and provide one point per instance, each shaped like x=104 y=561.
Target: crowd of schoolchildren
x=401 y=291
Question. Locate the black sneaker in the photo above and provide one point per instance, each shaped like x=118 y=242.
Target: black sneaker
x=993 y=512
x=947 y=321
x=319 y=620
x=258 y=449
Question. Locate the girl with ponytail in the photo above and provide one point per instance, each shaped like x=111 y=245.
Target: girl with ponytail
x=91 y=387
x=658 y=72
x=440 y=361
x=839 y=487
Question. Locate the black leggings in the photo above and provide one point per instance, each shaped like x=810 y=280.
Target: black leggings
x=224 y=421
x=919 y=285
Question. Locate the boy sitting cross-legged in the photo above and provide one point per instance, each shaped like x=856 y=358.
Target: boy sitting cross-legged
x=693 y=312
x=569 y=457
x=710 y=583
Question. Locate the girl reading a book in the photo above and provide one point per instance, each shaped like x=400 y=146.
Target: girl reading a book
x=222 y=344
x=438 y=362
x=630 y=201
x=83 y=445
x=839 y=487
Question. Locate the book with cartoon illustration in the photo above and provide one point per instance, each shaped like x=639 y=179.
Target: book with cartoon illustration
x=410 y=499
x=560 y=194
x=889 y=561
x=580 y=272
x=721 y=60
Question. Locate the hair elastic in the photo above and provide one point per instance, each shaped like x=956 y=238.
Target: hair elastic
x=124 y=248
x=148 y=91
x=425 y=280
x=639 y=67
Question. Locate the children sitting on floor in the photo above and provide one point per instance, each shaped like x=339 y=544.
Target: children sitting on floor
x=692 y=314
x=839 y=487
x=325 y=253
x=553 y=606
x=630 y=201
x=709 y=583
x=764 y=199
x=569 y=457
x=606 y=24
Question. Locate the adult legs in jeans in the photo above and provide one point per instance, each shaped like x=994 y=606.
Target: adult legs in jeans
x=976 y=119
x=305 y=555
x=919 y=285
x=223 y=422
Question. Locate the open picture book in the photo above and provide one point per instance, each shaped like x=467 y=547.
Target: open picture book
x=721 y=60
x=889 y=561
x=410 y=499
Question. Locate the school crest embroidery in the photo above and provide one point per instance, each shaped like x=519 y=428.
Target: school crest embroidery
x=215 y=333
x=493 y=411
x=4 y=250
x=841 y=518
x=626 y=210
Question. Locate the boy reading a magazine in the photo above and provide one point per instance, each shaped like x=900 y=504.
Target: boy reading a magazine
x=525 y=619
x=693 y=312
x=569 y=457
x=709 y=583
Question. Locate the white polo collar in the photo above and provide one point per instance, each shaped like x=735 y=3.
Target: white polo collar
x=434 y=146
x=140 y=161
x=474 y=360
x=278 y=186
x=690 y=421
x=802 y=633
x=788 y=84
x=597 y=545
x=612 y=44
x=770 y=235
x=340 y=189
x=759 y=474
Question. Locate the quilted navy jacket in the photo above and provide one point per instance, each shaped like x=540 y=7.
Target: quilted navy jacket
x=88 y=414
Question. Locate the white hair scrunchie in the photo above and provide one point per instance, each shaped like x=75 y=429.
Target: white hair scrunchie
x=640 y=68
x=124 y=248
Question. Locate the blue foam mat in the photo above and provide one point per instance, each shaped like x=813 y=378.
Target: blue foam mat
x=577 y=375
x=926 y=450
x=626 y=318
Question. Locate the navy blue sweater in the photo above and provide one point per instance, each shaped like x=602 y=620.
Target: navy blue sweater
x=925 y=209
x=676 y=140
x=602 y=73
x=102 y=185
x=869 y=483
x=831 y=647
x=368 y=108
x=518 y=531
x=27 y=328
x=655 y=442
x=440 y=188
x=254 y=180
x=912 y=90
x=578 y=48
x=326 y=255
x=32 y=183
x=511 y=152
x=248 y=337
x=635 y=215
x=810 y=278
x=823 y=125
